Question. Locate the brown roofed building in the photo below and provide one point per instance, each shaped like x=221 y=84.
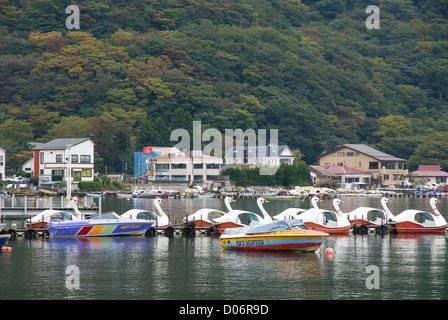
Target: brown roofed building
x=383 y=167
x=430 y=174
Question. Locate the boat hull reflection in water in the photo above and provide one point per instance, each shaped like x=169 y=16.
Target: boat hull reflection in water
x=284 y=235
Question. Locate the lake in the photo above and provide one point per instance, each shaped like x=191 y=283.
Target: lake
x=372 y=266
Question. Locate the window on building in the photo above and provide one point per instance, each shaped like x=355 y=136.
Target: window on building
x=1 y=160
x=341 y=154
x=198 y=177
x=350 y=154
x=74 y=158
x=57 y=175
x=86 y=173
x=165 y=167
x=41 y=158
x=178 y=178
x=388 y=165
x=59 y=158
x=373 y=165
x=85 y=158
x=213 y=166
x=178 y=166
x=198 y=165
x=76 y=175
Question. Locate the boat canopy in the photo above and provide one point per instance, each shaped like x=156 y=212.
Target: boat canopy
x=281 y=225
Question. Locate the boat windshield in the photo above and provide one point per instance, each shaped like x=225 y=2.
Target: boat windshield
x=61 y=216
x=146 y=215
x=374 y=214
x=281 y=225
x=107 y=215
x=422 y=217
x=329 y=216
x=248 y=217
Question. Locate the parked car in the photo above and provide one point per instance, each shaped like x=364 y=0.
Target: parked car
x=431 y=186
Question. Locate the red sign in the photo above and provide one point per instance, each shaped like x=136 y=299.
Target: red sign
x=147 y=150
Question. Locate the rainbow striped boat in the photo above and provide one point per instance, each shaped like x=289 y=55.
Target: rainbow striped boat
x=108 y=224
x=283 y=235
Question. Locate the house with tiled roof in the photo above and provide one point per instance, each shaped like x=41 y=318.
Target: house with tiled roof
x=350 y=178
x=51 y=160
x=430 y=174
x=383 y=168
x=321 y=176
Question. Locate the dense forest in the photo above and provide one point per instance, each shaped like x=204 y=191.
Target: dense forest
x=137 y=69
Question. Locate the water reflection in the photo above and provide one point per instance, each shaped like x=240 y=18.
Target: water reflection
x=411 y=266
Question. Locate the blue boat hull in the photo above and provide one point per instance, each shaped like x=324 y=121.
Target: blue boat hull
x=98 y=228
x=3 y=239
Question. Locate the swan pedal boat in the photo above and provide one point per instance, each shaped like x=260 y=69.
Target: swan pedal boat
x=324 y=220
x=283 y=235
x=241 y=218
x=419 y=221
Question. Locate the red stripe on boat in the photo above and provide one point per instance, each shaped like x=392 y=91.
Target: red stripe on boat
x=84 y=231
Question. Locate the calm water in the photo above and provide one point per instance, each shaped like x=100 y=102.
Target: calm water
x=409 y=267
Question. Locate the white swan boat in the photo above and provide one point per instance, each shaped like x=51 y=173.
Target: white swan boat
x=325 y=220
x=242 y=218
x=160 y=218
x=419 y=221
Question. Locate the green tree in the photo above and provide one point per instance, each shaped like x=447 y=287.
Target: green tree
x=434 y=150
x=70 y=127
x=15 y=135
x=151 y=133
x=393 y=126
x=182 y=119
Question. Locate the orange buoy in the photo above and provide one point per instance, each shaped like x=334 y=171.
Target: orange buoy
x=329 y=251
x=6 y=249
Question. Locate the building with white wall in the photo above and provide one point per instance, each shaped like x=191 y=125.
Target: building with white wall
x=177 y=167
x=51 y=160
x=259 y=156
x=2 y=163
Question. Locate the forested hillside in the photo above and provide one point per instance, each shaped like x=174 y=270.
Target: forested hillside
x=137 y=69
